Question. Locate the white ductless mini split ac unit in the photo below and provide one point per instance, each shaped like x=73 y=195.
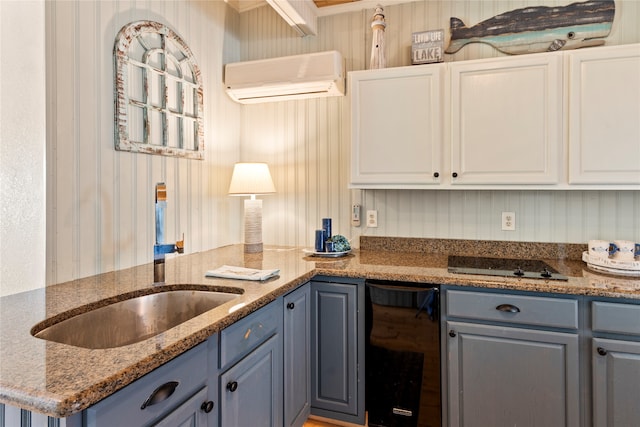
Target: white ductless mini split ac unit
x=310 y=75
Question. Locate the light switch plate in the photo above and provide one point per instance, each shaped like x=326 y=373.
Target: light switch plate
x=355 y=215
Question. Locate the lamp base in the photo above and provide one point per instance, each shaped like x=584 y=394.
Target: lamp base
x=252 y=225
x=252 y=248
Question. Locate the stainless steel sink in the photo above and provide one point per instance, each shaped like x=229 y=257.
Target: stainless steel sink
x=133 y=320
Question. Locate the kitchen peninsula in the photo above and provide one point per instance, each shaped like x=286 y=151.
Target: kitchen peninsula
x=61 y=380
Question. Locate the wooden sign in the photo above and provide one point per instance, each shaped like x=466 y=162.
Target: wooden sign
x=539 y=28
x=427 y=47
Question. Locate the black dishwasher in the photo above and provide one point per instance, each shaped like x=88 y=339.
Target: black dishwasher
x=402 y=354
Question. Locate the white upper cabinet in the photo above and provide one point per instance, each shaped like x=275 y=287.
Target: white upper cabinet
x=559 y=120
x=396 y=127
x=604 y=115
x=506 y=120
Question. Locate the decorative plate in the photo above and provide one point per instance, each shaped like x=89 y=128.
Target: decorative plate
x=612 y=266
x=311 y=252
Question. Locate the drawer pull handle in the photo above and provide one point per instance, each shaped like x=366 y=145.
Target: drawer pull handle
x=257 y=326
x=508 y=308
x=452 y=333
x=232 y=386
x=161 y=393
x=602 y=351
x=291 y=306
x=207 y=406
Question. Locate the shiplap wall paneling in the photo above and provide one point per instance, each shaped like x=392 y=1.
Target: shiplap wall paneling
x=101 y=202
x=540 y=215
x=546 y=216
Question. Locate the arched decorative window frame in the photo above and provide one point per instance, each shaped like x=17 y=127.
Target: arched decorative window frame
x=166 y=98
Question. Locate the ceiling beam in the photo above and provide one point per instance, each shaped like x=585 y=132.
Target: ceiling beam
x=301 y=15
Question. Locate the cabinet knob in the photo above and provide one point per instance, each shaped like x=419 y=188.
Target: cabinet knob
x=602 y=351
x=455 y=174
x=290 y=306
x=232 y=386
x=207 y=406
x=436 y=174
x=161 y=393
x=452 y=333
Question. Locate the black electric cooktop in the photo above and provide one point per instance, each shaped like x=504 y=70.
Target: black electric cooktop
x=527 y=268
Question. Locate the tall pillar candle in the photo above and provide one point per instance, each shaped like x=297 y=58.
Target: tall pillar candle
x=326 y=226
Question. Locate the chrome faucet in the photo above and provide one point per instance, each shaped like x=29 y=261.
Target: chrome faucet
x=160 y=249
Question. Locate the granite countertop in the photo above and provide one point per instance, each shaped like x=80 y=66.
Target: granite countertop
x=60 y=380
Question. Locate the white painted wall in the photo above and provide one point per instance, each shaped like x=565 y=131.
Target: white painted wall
x=22 y=146
x=307 y=142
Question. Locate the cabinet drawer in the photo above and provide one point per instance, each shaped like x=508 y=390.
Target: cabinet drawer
x=615 y=317
x=123 y=408
x=517 y=309
x=243 y=336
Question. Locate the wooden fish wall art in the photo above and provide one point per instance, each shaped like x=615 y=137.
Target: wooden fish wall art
x=539 y=28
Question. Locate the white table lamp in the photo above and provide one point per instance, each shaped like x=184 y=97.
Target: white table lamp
x=250 y=179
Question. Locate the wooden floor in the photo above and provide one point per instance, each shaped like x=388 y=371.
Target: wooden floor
x=312 y=422
x=316 y=423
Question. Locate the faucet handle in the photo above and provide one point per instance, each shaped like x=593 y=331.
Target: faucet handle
x=161 y=192
x=180 y=245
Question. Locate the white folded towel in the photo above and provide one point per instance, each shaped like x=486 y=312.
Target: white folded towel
x=241 y=273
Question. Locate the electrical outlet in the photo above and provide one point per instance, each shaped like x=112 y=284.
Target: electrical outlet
x=508 y=221
x=355 y=215
x=372 y=218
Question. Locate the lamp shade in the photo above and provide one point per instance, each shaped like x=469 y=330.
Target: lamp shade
x=251 y=178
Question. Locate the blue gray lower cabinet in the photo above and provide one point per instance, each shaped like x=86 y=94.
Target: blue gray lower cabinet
x=616 y=386
x=251 y=383
x=176 y=390
x=503 y=376
x=251 y=391
x=297 y=356
x=337 y=349
x=234 y=379
x=615 y=353
x=503 y=367
x=530 y=359
x=189 y=414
